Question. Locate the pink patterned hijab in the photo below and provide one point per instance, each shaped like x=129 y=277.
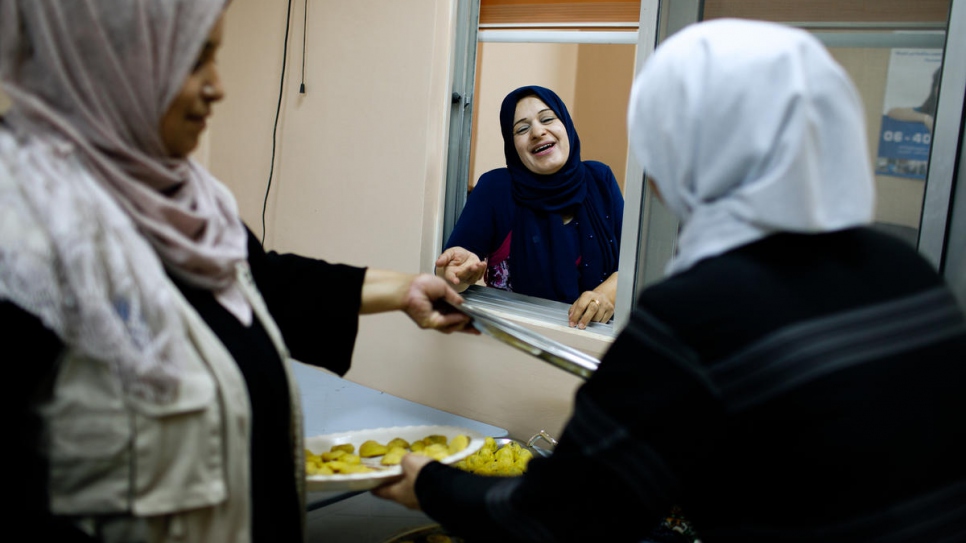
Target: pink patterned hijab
x=90 y=81
x=101 y=74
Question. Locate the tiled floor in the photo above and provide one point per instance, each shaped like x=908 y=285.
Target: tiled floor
x=362 y=519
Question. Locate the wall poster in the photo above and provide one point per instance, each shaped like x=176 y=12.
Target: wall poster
x=909 y=109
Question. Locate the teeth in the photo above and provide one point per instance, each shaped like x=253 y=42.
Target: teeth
x=543 y=148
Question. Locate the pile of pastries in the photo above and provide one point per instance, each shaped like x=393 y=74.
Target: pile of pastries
x=508 y=460
x=343 y=458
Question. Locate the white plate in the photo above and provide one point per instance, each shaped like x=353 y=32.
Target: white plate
x=366 y=481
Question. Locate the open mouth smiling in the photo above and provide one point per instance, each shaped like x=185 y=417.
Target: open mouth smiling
x=543 y=148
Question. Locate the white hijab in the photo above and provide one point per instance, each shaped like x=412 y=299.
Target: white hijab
x=89 y=82
x=750 y=128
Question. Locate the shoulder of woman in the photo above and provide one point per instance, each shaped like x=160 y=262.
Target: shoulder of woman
x=495 y=177
x=604 y=176
x=493 y=183
x=600 y=170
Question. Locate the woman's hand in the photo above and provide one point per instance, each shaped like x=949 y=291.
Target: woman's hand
x=420 y=296
x=590 y=307
x=403 y=489
x=460 y=267
x=594 y=305
x=420 y=304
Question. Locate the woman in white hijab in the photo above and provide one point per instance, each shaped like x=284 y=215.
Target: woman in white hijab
x=796 y=377
x=153 y=330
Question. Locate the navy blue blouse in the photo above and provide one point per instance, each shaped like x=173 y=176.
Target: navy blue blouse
x=514 y=217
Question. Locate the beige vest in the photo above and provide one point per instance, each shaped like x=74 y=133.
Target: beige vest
x=180 y=472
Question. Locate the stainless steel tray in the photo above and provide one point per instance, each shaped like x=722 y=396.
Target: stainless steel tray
x=564 y=357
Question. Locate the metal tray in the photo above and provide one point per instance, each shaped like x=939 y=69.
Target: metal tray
x=563 y=356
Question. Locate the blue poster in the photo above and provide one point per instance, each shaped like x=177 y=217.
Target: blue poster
x=909 y=110
x=903 y=148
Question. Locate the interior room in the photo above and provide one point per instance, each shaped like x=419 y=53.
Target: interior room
x=365 y=93
x=353 y=132
x=364 y=162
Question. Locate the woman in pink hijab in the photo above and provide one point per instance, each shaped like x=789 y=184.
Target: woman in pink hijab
x=154 y=331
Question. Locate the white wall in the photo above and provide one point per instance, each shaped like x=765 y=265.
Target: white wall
x=359 y=178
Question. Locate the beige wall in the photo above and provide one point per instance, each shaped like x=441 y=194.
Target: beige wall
x=605 y=75
x=359 y=178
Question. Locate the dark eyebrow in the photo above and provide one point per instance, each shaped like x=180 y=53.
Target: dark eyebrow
x=538 y=114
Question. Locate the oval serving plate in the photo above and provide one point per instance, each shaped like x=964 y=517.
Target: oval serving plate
x=367 y=481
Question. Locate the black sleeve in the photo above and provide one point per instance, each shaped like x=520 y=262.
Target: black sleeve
x=638 y=422
x=33 y=350
x=315 y=304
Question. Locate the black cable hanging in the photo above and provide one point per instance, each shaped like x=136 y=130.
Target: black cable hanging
x=278 y=109
x=305 y=19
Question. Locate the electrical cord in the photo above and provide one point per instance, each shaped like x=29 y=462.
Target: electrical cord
x=278 y=109
x=305 y=20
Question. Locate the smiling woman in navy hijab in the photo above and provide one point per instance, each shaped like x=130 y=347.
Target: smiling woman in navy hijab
x=548 y=224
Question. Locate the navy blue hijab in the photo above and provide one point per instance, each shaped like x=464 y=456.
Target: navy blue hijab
x=542 y=257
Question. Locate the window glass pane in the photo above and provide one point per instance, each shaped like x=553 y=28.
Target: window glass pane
x=583 y=50
x=892 y=50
